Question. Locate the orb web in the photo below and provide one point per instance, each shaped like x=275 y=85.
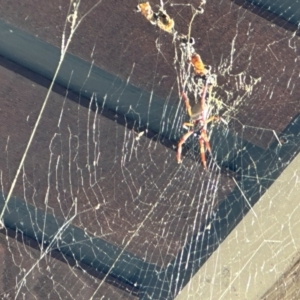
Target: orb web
x=94 y=204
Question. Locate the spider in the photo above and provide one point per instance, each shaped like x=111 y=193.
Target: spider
x=147 y=12
x=198 y=125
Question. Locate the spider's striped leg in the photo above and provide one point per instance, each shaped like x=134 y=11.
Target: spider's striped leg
x=186 y=125
x=206 y=140
x=211 y=119
x=202 y=151
x=203 y=140
x=181 y=142
x=187 y=104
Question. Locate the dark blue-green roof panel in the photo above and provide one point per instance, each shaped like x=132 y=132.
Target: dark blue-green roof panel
x=286 y=9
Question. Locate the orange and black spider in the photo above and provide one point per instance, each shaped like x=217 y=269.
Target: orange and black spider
x=197 y=125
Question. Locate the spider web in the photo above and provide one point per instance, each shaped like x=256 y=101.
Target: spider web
x=93 y=202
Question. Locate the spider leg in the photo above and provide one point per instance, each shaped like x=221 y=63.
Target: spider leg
x=181 y=142
x=204 y=144
x=202 y=151
x=206 y=140
x=187 y=125
x=211 y=119
x=187 y=103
